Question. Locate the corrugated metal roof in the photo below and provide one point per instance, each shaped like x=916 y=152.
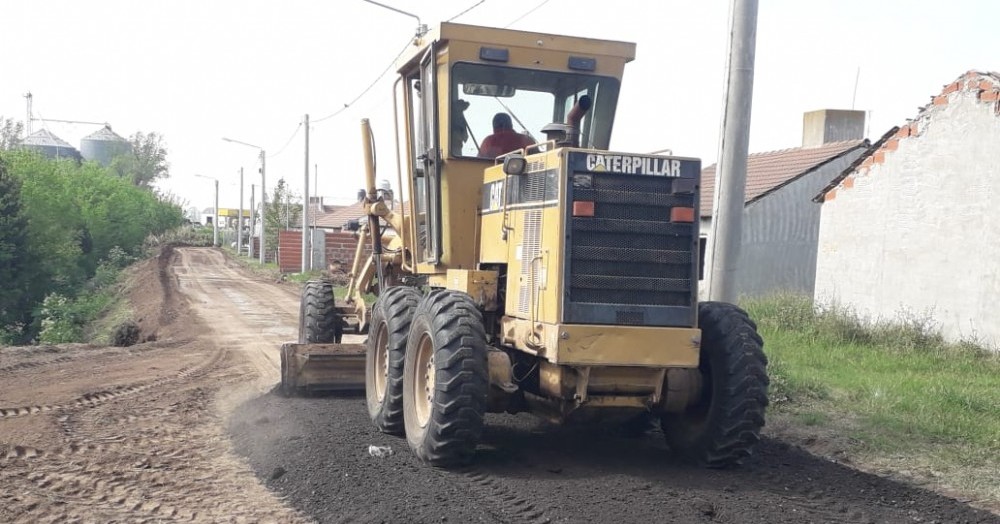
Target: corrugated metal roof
x=104 y=133
x=44 y=137
x=769 y=171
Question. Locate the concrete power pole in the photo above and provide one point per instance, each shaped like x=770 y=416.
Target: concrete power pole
x=239 y=221
x=306 y=250
x=215 y=223
x=253 y=223
x=731 y=172
x=31 y=116
x=263 y=205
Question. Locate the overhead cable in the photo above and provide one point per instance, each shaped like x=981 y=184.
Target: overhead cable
x=294 y=133
x=532 y=10
x=370 y=86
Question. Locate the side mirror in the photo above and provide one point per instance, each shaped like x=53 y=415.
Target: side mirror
x=514 y=164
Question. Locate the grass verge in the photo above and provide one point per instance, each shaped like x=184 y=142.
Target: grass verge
x=890 y=395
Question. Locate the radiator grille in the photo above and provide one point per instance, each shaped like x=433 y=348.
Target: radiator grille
x=629 y=253
x=530 y=248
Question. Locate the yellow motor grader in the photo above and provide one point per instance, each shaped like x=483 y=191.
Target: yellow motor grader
x=559 y=278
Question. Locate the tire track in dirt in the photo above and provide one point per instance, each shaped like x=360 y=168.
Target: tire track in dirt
x=96 y=398
x=510 y=505
x=21 y=366
x=144 y=450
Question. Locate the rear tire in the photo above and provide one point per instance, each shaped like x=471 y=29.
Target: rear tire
x=387 y=338
x=723 y=427
x=445 y=379
x=319 y=322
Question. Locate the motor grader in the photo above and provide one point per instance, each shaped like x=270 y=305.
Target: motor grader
x=558 y=279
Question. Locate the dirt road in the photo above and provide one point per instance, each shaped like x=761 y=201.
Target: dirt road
x=140 y=434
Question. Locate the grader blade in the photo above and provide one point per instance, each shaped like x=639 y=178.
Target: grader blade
x=312 y=368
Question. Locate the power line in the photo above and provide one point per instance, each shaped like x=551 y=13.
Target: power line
x=477 y=4
x=532 y=10
x=370 y=86
x=294 y=133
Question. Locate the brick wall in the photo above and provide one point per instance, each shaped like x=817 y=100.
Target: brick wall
x=256 y=250
x=340 y=249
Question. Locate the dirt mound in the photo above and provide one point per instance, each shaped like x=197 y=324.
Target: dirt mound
x=152 y=294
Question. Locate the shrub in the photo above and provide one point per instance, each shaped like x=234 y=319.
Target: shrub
x=125 y=334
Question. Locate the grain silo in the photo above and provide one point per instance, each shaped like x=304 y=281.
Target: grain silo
x=49 y=145
x=103 y=145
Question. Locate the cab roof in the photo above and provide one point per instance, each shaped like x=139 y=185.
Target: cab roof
x=506 y=38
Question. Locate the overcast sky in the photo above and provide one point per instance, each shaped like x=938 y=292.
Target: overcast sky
x=196 y=71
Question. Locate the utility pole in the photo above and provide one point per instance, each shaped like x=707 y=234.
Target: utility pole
x=263 y=205
x=263 y=192
x=215 y=223
x=306 y=250
x=27 y=122
x=253 y=223
x=731 y=171
x=239 y=221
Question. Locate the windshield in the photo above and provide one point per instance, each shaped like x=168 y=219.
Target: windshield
x=521 y=102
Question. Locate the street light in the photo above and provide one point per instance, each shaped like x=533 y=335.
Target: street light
x=263 y=189
x=215 y=221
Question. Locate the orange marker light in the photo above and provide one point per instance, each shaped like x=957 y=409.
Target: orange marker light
x=583 y=208
x=682 y=214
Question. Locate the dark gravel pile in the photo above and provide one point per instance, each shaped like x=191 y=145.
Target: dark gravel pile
x=314 y=453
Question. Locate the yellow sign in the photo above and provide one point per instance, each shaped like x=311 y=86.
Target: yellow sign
x=226 y=212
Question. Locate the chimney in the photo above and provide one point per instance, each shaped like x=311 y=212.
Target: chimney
x=832 y=125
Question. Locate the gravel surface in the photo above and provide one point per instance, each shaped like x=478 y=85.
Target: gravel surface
x=314 y=452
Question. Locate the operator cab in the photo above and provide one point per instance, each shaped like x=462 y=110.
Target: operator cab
x=453 y=82
x=533 y=99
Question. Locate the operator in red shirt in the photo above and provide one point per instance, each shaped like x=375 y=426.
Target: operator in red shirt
x=504 y=139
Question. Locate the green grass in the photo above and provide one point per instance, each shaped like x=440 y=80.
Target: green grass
x=302 y=278
x=902 y=395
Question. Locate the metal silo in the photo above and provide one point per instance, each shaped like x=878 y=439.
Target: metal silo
x=103 y=145
x=49 y=145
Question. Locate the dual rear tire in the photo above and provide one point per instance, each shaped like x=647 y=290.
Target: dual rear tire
x=427 y=372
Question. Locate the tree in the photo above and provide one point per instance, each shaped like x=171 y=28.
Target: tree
x=147 y=162
x=73 y=218
x=13 y=244
x=284 y=211
x=10 y=133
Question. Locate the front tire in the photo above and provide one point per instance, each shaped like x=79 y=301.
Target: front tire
x=722 y=428
x=445 y=379
x=387 y=338
x=319 y=322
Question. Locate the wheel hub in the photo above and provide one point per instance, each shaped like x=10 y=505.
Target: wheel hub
x=423 y=390
x=381 y=367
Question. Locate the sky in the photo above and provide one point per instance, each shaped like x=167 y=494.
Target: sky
x=197 y=71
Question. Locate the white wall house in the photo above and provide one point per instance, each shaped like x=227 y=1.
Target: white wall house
x=780 y=220
x=914 y=225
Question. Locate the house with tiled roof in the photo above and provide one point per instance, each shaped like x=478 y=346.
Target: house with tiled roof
x=911 y=226
x=336 y=218
x=780 y=222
